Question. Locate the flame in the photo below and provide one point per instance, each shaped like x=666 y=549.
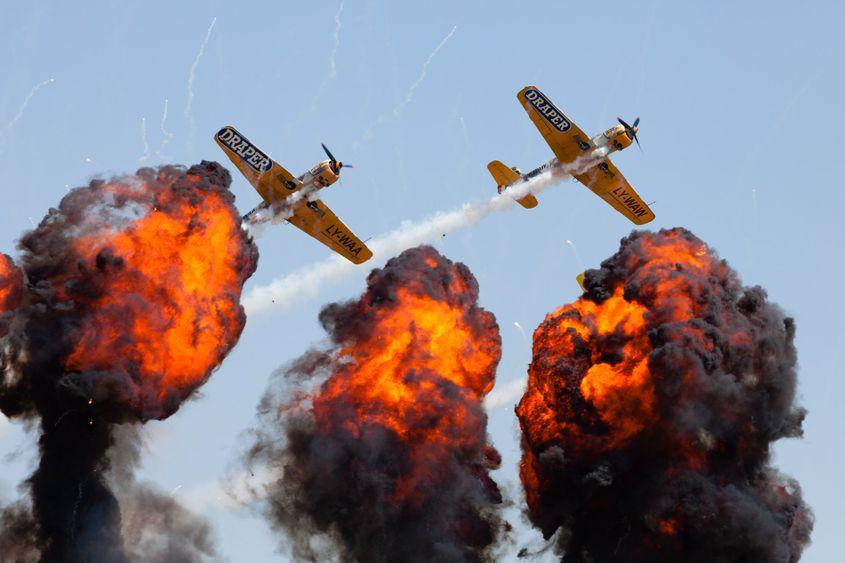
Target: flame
x=415 y=355
x=131 y=300
x=397 y=458
x=616 y=383
x=167 y=259
x=11 y=281
x=11 y=287
x=654 y=374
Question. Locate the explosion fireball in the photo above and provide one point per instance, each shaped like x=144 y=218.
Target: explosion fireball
x=11 y=287
x=388 y=458
x=650 y=408
x=131 y=301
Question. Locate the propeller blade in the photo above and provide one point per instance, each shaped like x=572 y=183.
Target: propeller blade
x=328 y=152
x=637 y=121
x=638 y=143
x=622 y=121
x=333 y=162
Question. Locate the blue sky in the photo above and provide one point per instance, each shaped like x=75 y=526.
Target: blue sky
x=739 y=129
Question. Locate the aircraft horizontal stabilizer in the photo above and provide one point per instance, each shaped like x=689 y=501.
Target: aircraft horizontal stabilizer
x=504 y=177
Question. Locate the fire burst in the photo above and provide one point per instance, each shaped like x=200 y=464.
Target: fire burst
x=132 y=299
x=11 y=286
x=650 y=407
x=391 y=459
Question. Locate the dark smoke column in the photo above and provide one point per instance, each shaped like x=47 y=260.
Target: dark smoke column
x=388 y=457
x=132 y=299
x=651 y=405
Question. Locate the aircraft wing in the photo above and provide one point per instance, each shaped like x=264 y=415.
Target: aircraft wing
x=272 y=182
x=566 y=139
x=607 y=182
x=317 y=220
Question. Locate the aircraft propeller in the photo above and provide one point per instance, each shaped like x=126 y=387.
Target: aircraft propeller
x=333 y=162
x=631 y=130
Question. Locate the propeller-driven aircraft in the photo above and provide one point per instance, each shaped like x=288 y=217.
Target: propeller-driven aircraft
x=291 y=198
x=576 y=153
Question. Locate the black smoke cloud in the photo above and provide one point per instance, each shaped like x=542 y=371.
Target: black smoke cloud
x=693 y=482
x=72 y=512
x=336 y=458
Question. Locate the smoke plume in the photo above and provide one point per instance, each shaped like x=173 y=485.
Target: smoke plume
x=387 y=457
x=651 y=405
x=131 y=300
x=290 y=289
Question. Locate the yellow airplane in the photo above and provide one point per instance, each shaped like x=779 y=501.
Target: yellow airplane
x=575 y=151
x=292 y=198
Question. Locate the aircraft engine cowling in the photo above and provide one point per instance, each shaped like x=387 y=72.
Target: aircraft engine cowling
x=614 y=139
x=621 y=140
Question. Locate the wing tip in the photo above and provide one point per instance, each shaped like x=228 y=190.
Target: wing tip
x=358 y=260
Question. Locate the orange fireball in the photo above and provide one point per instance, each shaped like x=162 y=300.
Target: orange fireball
x=151 y=276
x=131 y=301
x=650 y=406
x=389 y=455
x=11 y=286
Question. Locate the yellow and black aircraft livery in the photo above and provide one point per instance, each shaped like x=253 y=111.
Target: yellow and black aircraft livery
x=575 y=150
x=290 y=197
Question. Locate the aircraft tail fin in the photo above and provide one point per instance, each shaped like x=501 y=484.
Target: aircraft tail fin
x=504 y=177
x=580 y=279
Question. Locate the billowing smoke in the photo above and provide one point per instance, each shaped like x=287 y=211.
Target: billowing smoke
x=131 y=300
x=651 y=405
x=387 y=457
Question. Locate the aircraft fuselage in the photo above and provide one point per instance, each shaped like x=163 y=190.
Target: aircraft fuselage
x=613 y=140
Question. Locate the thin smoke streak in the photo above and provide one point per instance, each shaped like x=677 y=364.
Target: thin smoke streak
x=192 y=74
x=464 y=129
x=166 y=135
x=521 y=330
x=776 y=122
x=25 y=104
x=409 y=96
x=332 y=60
x=368 y=134
x=645 y=47
x=336 y=38
x=575 y=252
x=146 y=154
x=305 y=283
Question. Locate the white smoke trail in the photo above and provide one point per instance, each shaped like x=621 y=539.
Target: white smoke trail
x=264 y=214
x=505 y=395
x=336 y=38
x=368 y=134
x=332 y=62
x=25 y=104
x=397 y=110
x=146 y=154
x=166 y=135
x=192 y=74
x=304 y=283
x=521 y=330
x=575 y=252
